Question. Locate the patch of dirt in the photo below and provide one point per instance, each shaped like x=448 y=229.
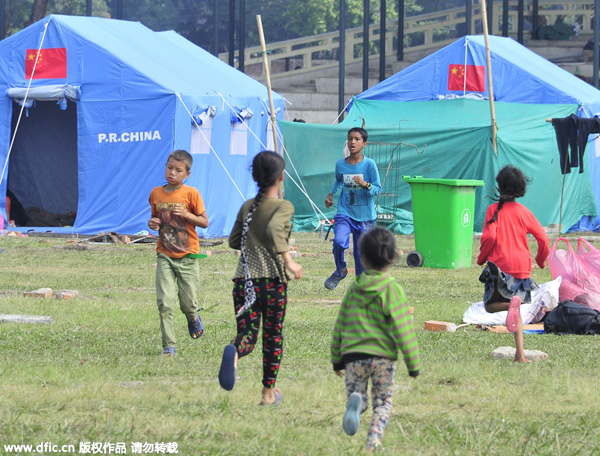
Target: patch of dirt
x=10 y=293
x=80 y=246
x=325 y=302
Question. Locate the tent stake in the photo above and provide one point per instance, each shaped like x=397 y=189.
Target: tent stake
x=489 y=68
x=268 y=80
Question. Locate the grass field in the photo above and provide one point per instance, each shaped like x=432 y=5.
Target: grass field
x=96 y=377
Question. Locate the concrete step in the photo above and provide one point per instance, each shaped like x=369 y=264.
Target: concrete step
x=312 y=101
x=352 y=84
x=319 y=117
x=585 y=69
x=302 y=87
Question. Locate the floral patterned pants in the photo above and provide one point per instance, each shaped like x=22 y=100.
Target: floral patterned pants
x=271 y=300
x=381 y=372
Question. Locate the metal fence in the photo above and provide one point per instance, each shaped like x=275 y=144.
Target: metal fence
x=422 y=33
x=387 y=157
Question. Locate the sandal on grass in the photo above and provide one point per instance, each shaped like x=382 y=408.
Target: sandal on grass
x=170 y=351
x=278 y=398
x=196 y=328
x=352 y=415
x=334 y=279
x=514 y=310
x=227 y=370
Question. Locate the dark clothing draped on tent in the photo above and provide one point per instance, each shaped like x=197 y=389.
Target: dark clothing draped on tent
x=566 y=138
x=573 y=132
x=126 y=97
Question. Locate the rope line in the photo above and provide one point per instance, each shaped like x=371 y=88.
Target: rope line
x=12 y=141
x=211 y=147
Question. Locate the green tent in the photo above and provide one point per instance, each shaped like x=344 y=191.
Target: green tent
x=453 y=140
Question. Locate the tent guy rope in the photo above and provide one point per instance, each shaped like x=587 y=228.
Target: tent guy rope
x=312 y=203
x=341 y=113
x=211 y=147
x=301 y=186
x=12 y=141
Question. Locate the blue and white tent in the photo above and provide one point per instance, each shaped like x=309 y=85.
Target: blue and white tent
x=105 y=104
x=518 y=76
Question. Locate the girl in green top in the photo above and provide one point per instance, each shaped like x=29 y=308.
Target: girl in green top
x=261 y=231
x=373 y=324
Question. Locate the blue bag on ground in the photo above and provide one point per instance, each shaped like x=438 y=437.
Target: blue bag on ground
x=572 y=318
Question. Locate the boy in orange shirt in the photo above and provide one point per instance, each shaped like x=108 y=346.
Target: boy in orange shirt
x=176 y=212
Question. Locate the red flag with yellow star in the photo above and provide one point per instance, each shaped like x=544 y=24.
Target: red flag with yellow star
x=473 y=82
x=51 y=63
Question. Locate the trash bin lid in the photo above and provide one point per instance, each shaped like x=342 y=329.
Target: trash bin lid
x=451 y=182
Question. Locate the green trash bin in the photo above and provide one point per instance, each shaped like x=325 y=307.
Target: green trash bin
x=443 y=220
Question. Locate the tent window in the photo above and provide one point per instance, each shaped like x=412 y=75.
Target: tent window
x=202 y=138
x=238 y=144
x=202 y=129
x=270 y=142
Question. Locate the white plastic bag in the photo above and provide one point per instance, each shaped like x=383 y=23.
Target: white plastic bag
x=543 y=299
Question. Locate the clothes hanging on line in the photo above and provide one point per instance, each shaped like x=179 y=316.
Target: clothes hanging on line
x=572 y=134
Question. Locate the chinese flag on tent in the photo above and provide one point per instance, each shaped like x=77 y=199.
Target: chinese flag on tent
x=51 y=63
x=475 y=78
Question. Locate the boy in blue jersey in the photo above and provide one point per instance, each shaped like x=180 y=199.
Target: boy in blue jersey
x=358 y=178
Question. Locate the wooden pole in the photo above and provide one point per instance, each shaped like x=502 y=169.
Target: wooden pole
x=268 y=79
x=489 y=72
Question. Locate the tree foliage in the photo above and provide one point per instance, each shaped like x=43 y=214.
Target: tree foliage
x=195 y=19
x=21 y=13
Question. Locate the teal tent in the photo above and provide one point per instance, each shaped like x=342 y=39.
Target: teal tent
x=436 y=131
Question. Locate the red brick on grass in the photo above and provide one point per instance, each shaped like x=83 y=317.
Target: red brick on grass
x=39 y=293
x=432 y=325
x=67 y=294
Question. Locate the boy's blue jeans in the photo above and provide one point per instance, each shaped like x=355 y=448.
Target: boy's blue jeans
x=176 y=279
x=343 y=227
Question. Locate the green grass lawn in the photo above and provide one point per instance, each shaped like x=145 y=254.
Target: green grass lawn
x=96 y=374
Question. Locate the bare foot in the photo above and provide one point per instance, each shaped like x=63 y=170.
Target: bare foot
x=196 y=328
x=270 y=395
x=521 y=360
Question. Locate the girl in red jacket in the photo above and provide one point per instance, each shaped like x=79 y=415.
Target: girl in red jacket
x=505 y=247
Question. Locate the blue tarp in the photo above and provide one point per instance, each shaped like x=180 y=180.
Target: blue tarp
x=518 y=76
x=135 y=92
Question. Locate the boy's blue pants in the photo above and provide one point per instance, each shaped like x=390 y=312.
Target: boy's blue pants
x=343 y=227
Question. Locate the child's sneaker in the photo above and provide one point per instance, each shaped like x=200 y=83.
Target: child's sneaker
x=514 y=310
x=352 y=415
x=334 y=279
